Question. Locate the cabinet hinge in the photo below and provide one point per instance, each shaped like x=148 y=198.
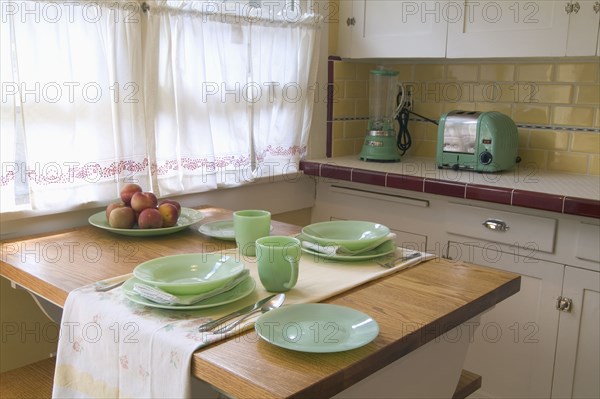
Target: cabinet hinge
x=597 y=7
x=572 y=7
x=564 y=304
x=350 y=21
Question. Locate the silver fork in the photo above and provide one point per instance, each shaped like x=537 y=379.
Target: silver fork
x=391 y=263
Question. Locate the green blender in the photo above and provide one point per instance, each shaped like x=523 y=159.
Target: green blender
x=380 y=142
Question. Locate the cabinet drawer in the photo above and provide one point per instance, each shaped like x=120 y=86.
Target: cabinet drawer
x=514 y=229
x=586 y=246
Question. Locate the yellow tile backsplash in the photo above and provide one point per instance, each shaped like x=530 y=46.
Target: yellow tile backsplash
x=555 y=102
x=577 y=72
x=584 y=142
x=535 y=72
x=574 y=116
x=496 y=72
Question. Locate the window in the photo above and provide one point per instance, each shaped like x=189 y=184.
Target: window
x=178 y=96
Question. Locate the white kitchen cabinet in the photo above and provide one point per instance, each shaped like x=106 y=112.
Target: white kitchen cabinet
x=584 y=28
x=514 y=347
x=524 y=29
x=577 y=350
x=392 y=29
x=525 y=346
x=509 y=29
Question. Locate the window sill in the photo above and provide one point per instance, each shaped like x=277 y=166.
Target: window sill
x=277 y=194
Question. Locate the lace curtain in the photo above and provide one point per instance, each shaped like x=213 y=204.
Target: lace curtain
x=176 y=98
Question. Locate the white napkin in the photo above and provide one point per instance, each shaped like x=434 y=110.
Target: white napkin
x=110 y=347
x=159 y=296
x=332 y=250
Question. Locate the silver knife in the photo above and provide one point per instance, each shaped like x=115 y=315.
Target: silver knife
x=214 y=323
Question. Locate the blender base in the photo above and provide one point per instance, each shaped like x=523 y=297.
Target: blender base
x=379 y=149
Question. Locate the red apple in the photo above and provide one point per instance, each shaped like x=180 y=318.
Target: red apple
x=112 y=206
x=143 y=200
x=169 y=214
x=173 y=202
x=150 y=218
x=122 y=218
x=127 y=192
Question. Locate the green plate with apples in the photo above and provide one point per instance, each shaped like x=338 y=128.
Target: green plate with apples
x=187 y=218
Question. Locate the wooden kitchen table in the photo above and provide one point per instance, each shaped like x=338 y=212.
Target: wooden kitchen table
x=412 y=307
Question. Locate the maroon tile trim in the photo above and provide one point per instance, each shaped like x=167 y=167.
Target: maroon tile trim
x=368 y=177
x=310 y=168
x=336 y=172
x=582 y=207
x=499 y=195
x=447 y=188
x=530 y=199
x=329 y=122
x=403 y=182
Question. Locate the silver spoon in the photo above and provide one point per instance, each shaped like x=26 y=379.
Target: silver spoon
x=274 y=303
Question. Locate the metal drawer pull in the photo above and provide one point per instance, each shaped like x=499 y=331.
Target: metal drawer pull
x=496 y=225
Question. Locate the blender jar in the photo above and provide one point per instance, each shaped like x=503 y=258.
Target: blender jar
x=382 y=99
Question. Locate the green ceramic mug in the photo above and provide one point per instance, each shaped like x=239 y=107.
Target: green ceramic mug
x=278 y=258
x=250 y=225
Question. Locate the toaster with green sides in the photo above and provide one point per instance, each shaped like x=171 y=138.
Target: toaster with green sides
x=479 y=141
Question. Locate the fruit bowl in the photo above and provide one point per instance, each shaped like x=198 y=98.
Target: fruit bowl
x=187 y=218
x=189 y=274
x=350 y=234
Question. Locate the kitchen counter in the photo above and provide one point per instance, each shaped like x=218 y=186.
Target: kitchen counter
x=523 y=186
x=414 y=308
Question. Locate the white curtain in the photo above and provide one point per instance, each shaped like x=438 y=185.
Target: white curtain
x=233 y=93
x=284 y=65
x=199 y=122
x=77 y=73
x=186 y=97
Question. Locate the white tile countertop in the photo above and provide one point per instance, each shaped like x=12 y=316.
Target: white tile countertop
x=525 y=185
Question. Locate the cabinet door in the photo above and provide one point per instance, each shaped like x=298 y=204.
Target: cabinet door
x=577 y=368
x=509 y=29
x=584 y=28
x=388 y=29
x=513 y=347
x=345 y=27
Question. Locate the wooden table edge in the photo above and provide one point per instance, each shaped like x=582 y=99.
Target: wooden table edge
x=345 y=378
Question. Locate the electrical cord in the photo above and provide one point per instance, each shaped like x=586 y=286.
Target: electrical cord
x=402 y=115
x=404 y=141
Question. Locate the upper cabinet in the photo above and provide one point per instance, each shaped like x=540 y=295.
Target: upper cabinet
x=509 y=29
x=391 y=29
x=468 y=28
x=525 y=29
x=584 y=28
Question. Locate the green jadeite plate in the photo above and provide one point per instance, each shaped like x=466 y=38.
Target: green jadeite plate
x=386 y=248
x=188 y=274
x=187 y=218
x=350 y=234
x=238 y=292
x=317 y=327
x=221 y=229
